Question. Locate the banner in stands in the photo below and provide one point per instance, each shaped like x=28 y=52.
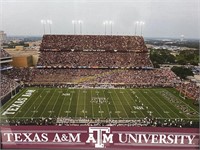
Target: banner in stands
x=90 y=137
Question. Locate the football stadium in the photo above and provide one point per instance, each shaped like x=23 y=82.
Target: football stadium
x=96 y=80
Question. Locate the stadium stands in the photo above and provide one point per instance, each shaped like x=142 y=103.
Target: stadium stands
x=93 y=43
x=7 y=85
x=91 y=51
x=133 y=77
x=94 y=59
x=86 y=59
x=190 y=89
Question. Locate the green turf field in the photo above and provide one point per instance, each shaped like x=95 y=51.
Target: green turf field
x=99 y=103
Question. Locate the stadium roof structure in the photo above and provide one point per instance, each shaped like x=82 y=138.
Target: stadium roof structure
x=93 y=43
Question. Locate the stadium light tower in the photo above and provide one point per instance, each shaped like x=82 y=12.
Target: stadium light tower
x=43 y=22
x=50 y=23
x=105 y=24
x=136 y=25
x=74 y=25
x=141 y=26
x=80 y=22
x=111 y=25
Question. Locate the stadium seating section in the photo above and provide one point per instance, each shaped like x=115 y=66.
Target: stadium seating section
x=95 y=60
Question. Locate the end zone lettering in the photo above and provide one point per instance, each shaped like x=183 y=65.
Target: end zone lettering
x=18 y=103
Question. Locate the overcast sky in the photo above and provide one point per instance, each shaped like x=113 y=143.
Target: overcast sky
x=163 y=18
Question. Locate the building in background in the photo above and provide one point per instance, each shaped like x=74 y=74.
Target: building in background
x=19 y=48
x=22 y=61
x=3 y=37
x=23 y=58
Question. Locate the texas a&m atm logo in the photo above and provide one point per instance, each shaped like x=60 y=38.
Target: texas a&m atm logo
x=102 y=136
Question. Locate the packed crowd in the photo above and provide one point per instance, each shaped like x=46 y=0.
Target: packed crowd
x=147 y=121
x=94 y=59
x=138 y=78
x=190 y=89
x=92 y=42
x=4 y=54
x=135 y=77
x=7 y=85
x=62 y=121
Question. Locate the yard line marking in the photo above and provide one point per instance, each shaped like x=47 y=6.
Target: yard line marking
x=129 y=103
x=122 y=104
x=32 y=103
x=133 y=102
x=149 y=103
x=84 y=102
x=166 y=105
x=70 y=104
x=55 y=103
x=28 y=99
x=47 y=103
x=77 y=103
x=62 y=105
x=114 y=104
x=183 y=101
x=99 y=104
x=40 y=104
x=107 y=104
x=157 y=104
x=92 y=104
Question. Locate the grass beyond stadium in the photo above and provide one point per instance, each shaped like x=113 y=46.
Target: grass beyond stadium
x=162 y=103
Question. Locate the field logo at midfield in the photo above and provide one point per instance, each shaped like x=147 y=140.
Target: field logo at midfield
x=102 y=136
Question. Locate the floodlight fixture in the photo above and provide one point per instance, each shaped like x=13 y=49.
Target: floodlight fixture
x=105 y=24
x=74 y=25
x=136 y=25
x=50 y=23
x=141 y=26
x=111 y=26
x=80 y=22
x=43 y=22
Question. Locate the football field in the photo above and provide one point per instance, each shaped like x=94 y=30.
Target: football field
x=163 y=103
